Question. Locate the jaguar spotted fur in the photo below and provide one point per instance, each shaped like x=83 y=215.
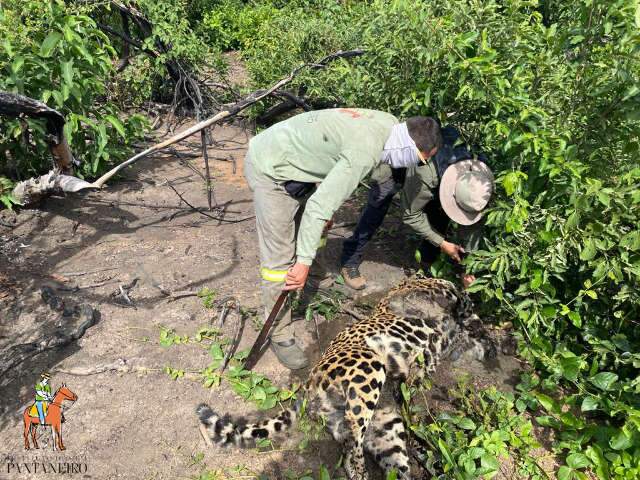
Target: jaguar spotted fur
x=421 y=316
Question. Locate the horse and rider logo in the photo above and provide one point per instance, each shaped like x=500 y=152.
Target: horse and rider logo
x=46 y=411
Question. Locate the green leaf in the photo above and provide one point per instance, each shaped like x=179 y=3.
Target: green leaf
x=466 y=424
x=510 y=182
x=565 y=473
x=589 y=250
x=392 y=475
x=547 y=402
x=570 y=367
x=536 y=280
x=604 y=198
x=50 y=43
x=268 y=403
x=575 y=319
x=594 y=452
x=576 y=39
x=259 y=394
x=604 y=380
x=216 y=351
x=589 y=404
x=631 y=240
x=67 y=72
x=405 y=392
x=548 y=421
x=489 y=462
x=324 y=473
x=573 y=220
x=621 y=441
x=578 y=460
x=117 y=124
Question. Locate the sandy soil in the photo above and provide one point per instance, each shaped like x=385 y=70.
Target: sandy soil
x=142 y=426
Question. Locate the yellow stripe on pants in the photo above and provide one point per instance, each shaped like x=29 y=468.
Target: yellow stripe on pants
x=273 y=275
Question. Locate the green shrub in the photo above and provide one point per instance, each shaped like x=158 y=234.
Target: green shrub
x=302 y=32
x=178 y=50
x=232 y=24
x=58 y=56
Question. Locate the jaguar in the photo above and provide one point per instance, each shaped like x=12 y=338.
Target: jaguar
x=419 y=323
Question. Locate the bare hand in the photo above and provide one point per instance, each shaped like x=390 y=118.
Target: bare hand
x=296 y=277
x=467 y=279
x=327 y=226
x=454 y=251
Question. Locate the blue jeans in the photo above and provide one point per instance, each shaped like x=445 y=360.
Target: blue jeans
x=378 y=203
x=40 y=408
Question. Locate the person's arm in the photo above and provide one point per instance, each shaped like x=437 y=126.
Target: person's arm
x=332 y=192
x=419 y=189
x=415 y=195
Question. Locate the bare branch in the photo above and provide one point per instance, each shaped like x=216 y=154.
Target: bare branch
x=230 y=112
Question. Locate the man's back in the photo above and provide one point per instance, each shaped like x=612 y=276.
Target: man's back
x=306 y=147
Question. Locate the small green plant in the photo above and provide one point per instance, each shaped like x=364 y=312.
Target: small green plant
x=249 y=385
x=6 y=197
x=169 y=337
x=472 y=441
x=257 y=388
x=327 y=304
x=208 y=297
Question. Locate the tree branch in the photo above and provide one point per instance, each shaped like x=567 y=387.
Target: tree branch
x=230 y=112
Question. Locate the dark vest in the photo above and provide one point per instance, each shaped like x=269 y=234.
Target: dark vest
x=451 y=153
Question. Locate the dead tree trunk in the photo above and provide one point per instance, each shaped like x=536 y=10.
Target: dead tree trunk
x=18 y=106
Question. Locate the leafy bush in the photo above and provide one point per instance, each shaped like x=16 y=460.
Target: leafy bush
x=177 y=49
x=302 y=32
x=58 y=56
x=470 y=442
x=233 y=24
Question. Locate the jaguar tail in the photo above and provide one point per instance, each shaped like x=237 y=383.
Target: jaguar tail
x=225 y=431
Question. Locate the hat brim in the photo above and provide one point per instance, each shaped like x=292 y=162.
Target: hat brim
x=448 y=188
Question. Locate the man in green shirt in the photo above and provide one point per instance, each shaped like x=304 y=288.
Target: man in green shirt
x=452 y=186
x=313 y=162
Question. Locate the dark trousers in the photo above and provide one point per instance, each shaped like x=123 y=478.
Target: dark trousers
x=378 y=203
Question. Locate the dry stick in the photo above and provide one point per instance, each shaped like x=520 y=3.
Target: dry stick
x=220 y=219
x=234 y=110
x=205 y=154
x=79 y=274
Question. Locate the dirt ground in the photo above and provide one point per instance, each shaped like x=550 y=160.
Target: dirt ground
x=143 y=426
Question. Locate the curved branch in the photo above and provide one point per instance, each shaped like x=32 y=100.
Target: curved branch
x=230 y=112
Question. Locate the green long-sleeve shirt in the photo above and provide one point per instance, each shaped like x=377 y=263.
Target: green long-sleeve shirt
x=336 y=148
x=421 y=187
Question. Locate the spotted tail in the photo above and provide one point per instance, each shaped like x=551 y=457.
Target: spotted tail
x=223 y=430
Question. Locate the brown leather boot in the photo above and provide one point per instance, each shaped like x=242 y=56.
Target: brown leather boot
x=352 y=278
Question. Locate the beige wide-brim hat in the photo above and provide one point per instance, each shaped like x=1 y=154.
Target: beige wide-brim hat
x=465 y=191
